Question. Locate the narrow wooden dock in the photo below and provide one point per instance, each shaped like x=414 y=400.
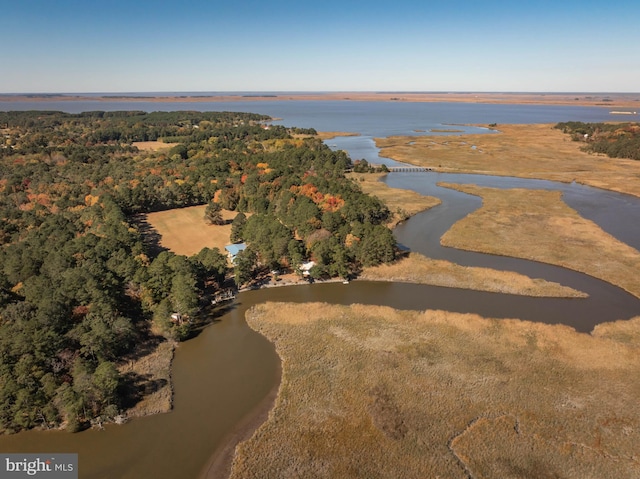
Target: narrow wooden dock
x=222 y=296
x=409 y=169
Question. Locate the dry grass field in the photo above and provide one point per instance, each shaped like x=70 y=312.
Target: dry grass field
x=372 y=392
x=153 y=145
x=184 y=231
x=528 y=151
x=538 y=225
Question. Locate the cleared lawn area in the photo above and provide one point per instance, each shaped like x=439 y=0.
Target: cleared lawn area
x=153 y=145
x=371 y=392
x=538 y=225
x=184 y=231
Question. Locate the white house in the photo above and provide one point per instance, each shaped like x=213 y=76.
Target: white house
x=305 y=267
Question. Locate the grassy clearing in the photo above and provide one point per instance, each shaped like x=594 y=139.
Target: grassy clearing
x=538 y=225
x=372 y=392
x=153 y=145
x=422 y=270
x=528 y=151
x=184 y=231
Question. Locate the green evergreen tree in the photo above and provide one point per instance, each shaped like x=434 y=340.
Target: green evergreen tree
x=237 y=227
x=184 y=295
x=245 y=264
x=213 y=214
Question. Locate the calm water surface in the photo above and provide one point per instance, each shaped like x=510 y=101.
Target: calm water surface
x=365 y=117
x=221 y=375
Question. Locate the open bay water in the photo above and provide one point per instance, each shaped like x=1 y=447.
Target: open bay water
x=369 y=118
x=224 y=373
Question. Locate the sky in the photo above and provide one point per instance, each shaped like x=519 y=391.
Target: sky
x=78 y=46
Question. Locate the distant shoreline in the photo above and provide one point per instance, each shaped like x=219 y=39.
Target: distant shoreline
x=609 y=100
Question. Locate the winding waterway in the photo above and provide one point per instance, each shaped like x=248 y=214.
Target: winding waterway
x=606 y=302
x=223 y=374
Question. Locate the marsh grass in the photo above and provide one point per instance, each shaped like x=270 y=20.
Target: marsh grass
x=327 y=135
x=419 y=269
x=371 y=392
x=538 y=225
x=527 y=151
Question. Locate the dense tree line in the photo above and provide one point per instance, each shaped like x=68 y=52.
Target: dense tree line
x=363 y=166
x=79 y=287
x=616 y=140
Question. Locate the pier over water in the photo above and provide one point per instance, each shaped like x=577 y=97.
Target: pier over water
x=409 y=169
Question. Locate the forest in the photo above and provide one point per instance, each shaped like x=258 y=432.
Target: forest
x=81 y=287
x=616 y=140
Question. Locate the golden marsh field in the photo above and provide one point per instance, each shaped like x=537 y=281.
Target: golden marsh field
x=368 y=391
x=526 y=151
x=539 y=226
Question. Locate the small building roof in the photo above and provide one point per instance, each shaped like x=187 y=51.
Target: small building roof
x=307 y=266
x=234 y=249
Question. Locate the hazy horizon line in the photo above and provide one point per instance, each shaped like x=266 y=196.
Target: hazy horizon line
x=306 y=92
